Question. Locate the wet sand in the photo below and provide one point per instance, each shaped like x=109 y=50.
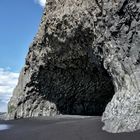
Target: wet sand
x=61 y=128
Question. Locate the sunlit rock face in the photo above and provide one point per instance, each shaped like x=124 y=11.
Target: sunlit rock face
x=82 y=56
x=123 y=62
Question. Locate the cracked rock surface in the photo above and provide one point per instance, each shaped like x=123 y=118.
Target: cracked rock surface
x=81 y=57
x=122 y=114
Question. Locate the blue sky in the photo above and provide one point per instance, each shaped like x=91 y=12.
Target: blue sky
x=19 y=21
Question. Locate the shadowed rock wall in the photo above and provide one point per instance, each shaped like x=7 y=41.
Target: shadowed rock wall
x=63 y=74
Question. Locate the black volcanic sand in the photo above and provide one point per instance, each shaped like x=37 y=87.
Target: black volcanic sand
x=65 y=128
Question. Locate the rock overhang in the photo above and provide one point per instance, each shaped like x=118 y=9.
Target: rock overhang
x=77 y=29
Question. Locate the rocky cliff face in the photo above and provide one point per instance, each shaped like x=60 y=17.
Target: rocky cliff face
x=123 y=62
x=81 y=56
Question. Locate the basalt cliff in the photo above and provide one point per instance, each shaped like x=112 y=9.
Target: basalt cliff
x=84 y=60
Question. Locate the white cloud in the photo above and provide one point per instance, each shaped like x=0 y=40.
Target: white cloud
x=41 y=2
x=8 y=81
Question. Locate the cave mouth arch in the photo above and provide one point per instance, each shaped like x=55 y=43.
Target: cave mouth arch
x=78 y=88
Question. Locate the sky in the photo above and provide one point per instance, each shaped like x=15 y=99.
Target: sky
x=19 y=22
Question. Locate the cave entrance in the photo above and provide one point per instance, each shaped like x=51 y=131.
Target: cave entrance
x=78 y=88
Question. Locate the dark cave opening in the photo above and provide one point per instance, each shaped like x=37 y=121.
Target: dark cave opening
x=80 y=88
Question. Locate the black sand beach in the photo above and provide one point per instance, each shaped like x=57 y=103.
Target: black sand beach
x=66 y=128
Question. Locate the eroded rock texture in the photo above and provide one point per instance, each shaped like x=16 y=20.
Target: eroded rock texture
x=123 y=61
x=79 y=58
x=62 y=74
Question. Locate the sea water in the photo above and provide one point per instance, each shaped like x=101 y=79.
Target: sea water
x=4 y=127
